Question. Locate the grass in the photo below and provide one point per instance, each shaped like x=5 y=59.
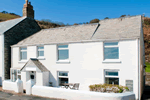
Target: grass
x=7 y=16
x=148 y=67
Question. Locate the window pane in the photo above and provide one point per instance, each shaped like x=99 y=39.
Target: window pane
x=110 y=43
x=63 y=74
x=23 y=48
x=111 y=53
x=62 y=54
x=114 y=81
x=40 y=47
x=63 y=46
x=112 y=73
x=40 y=53
x=63 y=80
x=23 y=55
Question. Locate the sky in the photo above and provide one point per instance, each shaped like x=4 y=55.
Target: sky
x=79 y=11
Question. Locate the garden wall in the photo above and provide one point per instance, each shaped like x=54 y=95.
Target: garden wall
x=53 y=92
x=8 y=85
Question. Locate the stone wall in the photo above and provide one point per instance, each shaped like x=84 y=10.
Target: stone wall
x=19 y=32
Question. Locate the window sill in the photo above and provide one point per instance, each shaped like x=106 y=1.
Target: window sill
x=112 y=61
x=22 y=61
x=63 y=61
x=41 y=58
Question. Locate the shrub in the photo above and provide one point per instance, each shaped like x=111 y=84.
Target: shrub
x=94 y=21
x=147 y=21
x=108 y=88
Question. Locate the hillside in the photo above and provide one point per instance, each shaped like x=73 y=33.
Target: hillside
x=43 y=24
x=47 y=24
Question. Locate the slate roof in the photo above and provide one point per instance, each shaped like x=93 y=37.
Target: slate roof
x=35 y=62
x=118 y=28
x=6 y=25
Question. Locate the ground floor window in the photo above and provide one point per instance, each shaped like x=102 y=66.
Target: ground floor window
x=15 y=74
x=112 y=77
x=63 y=78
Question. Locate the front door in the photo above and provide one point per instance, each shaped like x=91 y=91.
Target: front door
x=33 y=76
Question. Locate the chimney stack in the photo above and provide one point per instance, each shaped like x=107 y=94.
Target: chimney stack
x=28 y=10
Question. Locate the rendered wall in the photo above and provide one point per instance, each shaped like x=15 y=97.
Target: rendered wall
x=86 y=63
x=79 y=95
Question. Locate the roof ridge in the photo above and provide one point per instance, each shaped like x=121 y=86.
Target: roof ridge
x=119 y=18
x=13 y=19
x=71 y=26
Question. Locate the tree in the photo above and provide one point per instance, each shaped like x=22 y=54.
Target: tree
x=75 y=24
x=94 y=20
x=106 y=18
x=5 y=12
x=122 y=15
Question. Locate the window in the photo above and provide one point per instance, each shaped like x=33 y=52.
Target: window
x=111 y=77
x=23 y=53
x=40 y=51
x=111 y=50
x=15 y=74
x=63 y=77
x=63 y=52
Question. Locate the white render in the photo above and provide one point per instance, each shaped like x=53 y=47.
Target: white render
x=85 y=65
x=78 y=94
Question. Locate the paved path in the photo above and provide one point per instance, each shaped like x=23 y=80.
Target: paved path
x=10 y=96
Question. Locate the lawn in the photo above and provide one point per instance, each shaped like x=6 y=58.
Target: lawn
x=148 y=67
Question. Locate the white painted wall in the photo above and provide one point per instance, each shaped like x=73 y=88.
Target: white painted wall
x=79 y=95
x=86 y=63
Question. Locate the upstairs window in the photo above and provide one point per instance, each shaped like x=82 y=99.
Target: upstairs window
x=23 y=53
x=111 y=50
x=63 y=52
x=40 y=51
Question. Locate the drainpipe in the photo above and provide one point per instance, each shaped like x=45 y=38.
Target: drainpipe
x=3 y=69
x=139 y=69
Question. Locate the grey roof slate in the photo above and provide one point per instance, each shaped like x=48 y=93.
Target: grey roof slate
x=62 y=34
x=35 y=62
x=6 y=25
x=118 y=28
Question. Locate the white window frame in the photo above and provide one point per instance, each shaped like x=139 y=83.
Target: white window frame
x=111 y=60
x=17 y=74
x=20 y=53
x=62 y=49
x=62 y=76
x=110 y=76
x=40 y=50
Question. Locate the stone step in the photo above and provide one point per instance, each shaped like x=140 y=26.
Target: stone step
x=147 y=82
x=147 y=76
x=147 y=79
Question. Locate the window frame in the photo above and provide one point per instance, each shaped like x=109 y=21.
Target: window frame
x=110 y=76
x=111 y=60
x=62 y=49
x=40 y=50
x=62 y=76
x=16 y=74
x=20 y=53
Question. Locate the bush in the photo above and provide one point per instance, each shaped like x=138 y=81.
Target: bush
x=95 y=21
x=108 y=88
x=147 y=21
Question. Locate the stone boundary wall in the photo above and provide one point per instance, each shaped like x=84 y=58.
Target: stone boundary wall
x=54 y=92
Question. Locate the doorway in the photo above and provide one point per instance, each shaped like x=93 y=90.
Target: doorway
x=33 y=76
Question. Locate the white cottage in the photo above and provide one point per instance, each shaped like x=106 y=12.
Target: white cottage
x=111 y=51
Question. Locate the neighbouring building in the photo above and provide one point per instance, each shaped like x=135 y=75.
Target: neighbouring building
x=13 y=31
x=111 y=51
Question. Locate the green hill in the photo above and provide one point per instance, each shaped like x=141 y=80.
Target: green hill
x=4 y=17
